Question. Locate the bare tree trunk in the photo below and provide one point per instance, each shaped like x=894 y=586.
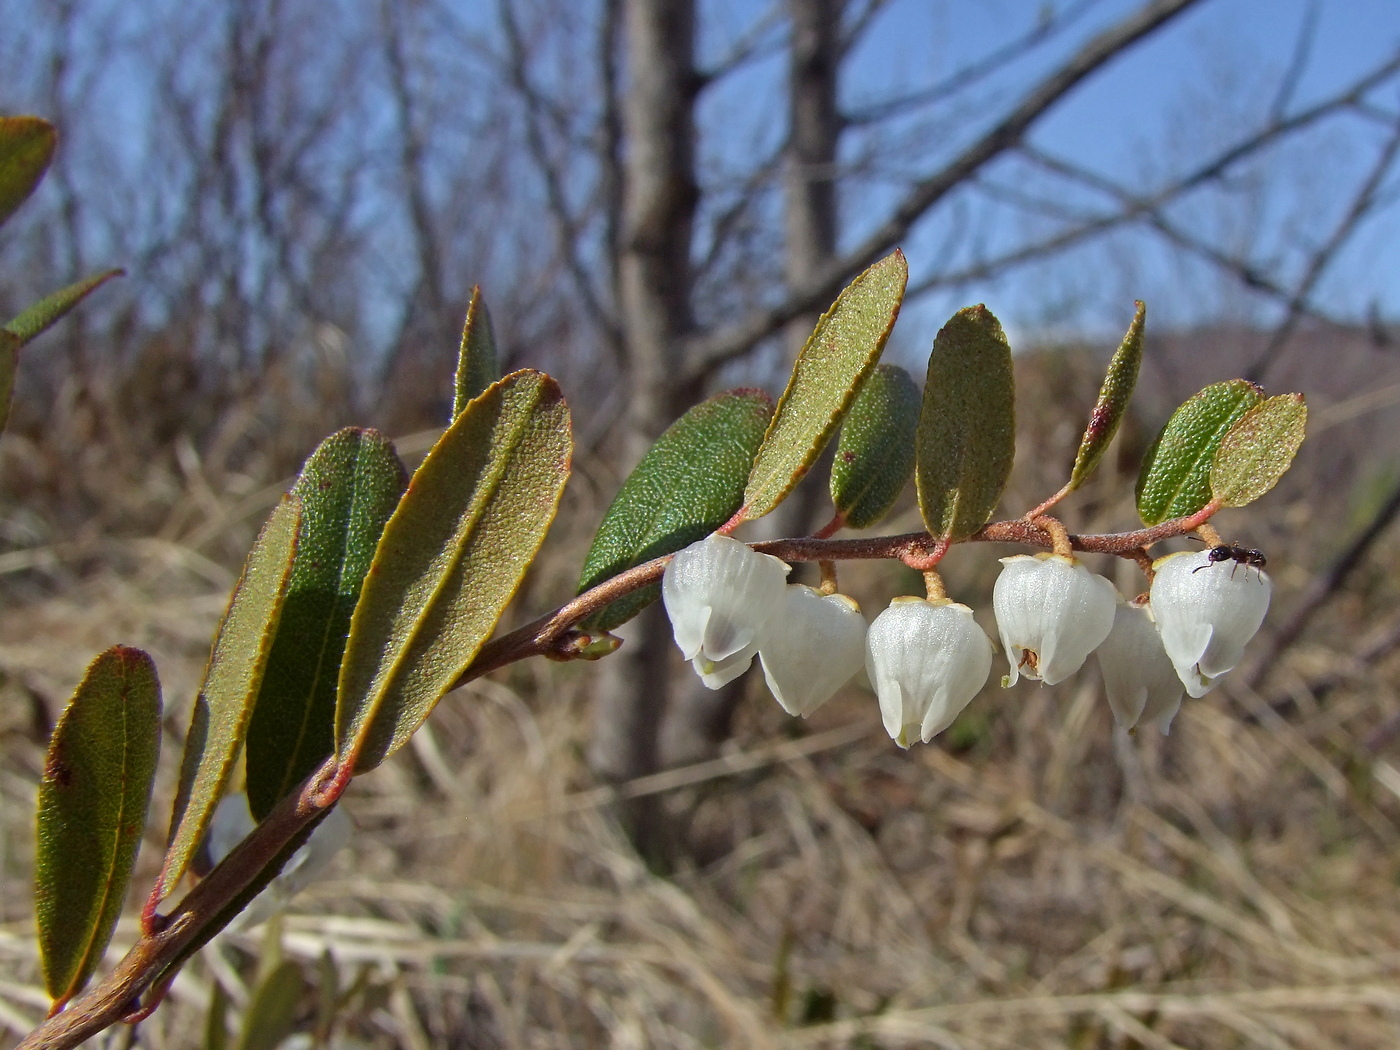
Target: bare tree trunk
x=659 y=197
x=810 y=176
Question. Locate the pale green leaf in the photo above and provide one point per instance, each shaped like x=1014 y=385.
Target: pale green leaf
x=478 y=365
x=825 y=379
x=231 y=682
x=450 y=560
x=1258 y=449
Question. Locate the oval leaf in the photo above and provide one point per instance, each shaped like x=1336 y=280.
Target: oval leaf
x=52 y=308
x=1114 y=395
x=231 y=683
x=92 y=810
x=477 y=364
x=26 y=147
x=348 y=489
x=967 y=428
x=839 y=355
x=449 y=561
x=687 y=485
x=1175 y=477
x=875 y=452
x=1258 y=450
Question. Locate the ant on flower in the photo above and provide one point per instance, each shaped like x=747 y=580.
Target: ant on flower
x=1246 y=556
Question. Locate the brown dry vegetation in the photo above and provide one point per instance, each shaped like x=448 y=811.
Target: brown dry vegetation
x=1033 y=879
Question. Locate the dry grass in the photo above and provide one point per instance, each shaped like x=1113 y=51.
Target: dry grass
x=1036 y=879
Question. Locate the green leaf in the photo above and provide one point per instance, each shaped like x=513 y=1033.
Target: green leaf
x=1258 y=449
x=216 y=1021
x=967 y=428
x=875 y=452
x=9 y=361
x=231 y=683
x=52 y=308
x=450 y=560
x=687 y=485
x=26 y=147
x=1114 y=395
x=272 y=1011
x=1175 y=477
x=93 y=799
x=348 y=489
x=839 y=355
x=477 y=363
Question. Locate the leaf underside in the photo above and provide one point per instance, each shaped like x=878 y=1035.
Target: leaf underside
x=1112 y=403
x=828 y=373
x=967 y=427
x=93 y=800
x=1258 y=450
x=449 y=561
x=231 y=683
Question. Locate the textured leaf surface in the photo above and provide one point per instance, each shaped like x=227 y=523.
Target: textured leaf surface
x=477 y=362
x=231 y=683
x=1114 y=395
x=449 y=561
x=1175 y=476
x=840 y=354
x=967 y=428
x=1258 y=450
x=687 y=485
x=52 y=308
x=348 y=489
x=875 y=452
x=92 y=810
x=272 y=1011
x=26 y=147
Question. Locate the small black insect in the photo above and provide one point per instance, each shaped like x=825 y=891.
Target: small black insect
x=1245 y=556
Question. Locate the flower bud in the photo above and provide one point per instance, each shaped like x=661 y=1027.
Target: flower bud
x=1052 y=613
x=926 y=660
x=1206 y=612
x=1140 y=680
x=720 y=594
x=812 y=649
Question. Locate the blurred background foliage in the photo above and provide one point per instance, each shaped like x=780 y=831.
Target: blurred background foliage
x=303 y=197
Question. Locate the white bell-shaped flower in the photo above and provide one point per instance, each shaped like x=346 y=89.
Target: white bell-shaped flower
x=720 y=595
x=926 y=660
x=1052 y=613
x=813 y=648
x=1140 y=680
x=1206 y=612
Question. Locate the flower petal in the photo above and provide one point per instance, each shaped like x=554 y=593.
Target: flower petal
x=813 y=649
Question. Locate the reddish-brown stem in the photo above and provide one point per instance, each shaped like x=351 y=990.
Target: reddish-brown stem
x=831 y=527
x=1031 y=515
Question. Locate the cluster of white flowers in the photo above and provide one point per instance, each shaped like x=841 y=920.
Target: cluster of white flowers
x=927 y=658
